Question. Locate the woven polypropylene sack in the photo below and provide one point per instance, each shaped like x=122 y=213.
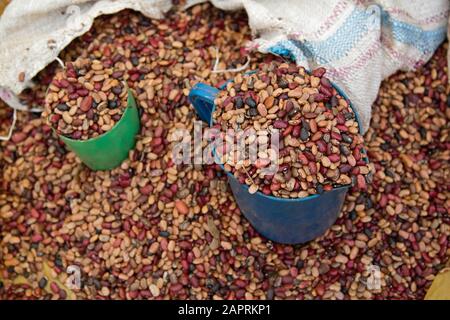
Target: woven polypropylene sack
x=33 y=33
x=359 y=42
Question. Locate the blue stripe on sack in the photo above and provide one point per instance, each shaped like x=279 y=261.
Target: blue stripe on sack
x=281 y=50
x=351 y=32
x=426 y=41
x=289 y=50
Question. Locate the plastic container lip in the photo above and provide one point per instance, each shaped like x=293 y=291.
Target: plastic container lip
x=127 y=109
x=310 y=197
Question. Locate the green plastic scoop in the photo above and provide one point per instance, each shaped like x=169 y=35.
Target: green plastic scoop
x=108 y=150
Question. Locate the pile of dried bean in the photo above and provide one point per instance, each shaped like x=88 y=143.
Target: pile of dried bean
x=320 y=147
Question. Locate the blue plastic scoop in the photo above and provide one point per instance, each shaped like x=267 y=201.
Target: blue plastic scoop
x=282 y=220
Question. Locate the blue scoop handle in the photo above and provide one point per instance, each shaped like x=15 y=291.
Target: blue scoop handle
x=202 y=97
